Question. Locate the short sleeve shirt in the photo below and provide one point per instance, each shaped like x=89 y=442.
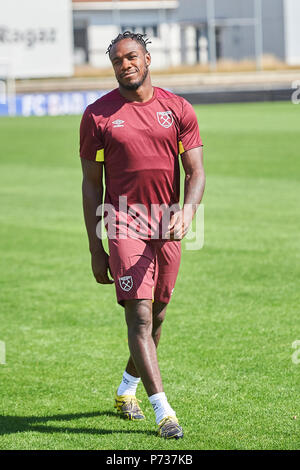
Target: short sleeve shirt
x=139 y=144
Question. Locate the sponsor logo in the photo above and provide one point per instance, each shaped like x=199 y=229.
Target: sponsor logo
x=118 y=123
x=165 y=118
x=126 y=283
x=28 y=37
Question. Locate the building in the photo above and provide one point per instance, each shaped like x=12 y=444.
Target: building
x=190 y=31
x=96 y=23
x=241 y=29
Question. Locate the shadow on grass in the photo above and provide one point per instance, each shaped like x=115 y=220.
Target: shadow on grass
x=15 y=424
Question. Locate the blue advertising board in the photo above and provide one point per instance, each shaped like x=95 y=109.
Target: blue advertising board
x=49 y=104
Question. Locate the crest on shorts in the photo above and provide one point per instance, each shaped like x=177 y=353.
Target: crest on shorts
x=165 y=118
x=126 y=283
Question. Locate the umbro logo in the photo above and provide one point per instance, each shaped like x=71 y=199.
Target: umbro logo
x=118 y=123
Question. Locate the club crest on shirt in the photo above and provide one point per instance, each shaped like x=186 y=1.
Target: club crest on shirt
x=165 y=118
x=126 y=283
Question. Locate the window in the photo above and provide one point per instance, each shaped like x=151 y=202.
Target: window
x=151 y=31
x=81 y=46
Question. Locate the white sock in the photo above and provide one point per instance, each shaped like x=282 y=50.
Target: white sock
x=128 y=385
x=161 y=406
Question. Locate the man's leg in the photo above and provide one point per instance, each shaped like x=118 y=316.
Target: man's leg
x=142 y=347
x=143 y=361
x=158 y=315
x=131 y=377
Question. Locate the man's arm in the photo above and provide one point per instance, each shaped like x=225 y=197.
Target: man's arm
x=192 y=161
x=92 y=195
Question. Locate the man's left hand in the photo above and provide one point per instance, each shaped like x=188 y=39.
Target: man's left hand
x=179 y=225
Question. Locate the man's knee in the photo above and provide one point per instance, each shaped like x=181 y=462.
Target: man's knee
x=139 y=317
x=158 y=321
x=159 y=313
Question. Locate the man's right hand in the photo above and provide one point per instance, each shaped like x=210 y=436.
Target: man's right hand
x=100 y=267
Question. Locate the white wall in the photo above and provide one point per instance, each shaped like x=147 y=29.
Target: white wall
x=36 y=37
x=99 y=38
x=292 y=31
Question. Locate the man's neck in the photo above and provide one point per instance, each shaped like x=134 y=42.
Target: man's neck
x=142 y=94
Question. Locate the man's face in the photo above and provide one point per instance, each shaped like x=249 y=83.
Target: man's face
x=130 y=62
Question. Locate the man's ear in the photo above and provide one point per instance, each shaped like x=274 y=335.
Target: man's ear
x=148 y=58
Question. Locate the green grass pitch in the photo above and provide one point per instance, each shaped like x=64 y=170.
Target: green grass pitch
x=226 y=348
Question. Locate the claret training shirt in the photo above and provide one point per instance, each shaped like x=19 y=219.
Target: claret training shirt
x=139 y=144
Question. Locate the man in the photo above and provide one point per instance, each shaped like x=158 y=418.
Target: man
x=136 y=133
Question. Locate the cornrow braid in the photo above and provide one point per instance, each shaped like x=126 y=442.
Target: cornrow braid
x=138 y=37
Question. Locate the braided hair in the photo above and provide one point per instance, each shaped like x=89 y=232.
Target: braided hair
x=138 y=37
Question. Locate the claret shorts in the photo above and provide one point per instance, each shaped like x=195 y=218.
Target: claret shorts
x=144 y=269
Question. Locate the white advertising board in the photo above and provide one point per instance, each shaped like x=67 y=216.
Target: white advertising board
x=36 y=38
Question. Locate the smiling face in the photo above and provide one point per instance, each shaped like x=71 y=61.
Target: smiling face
x=130 y=62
